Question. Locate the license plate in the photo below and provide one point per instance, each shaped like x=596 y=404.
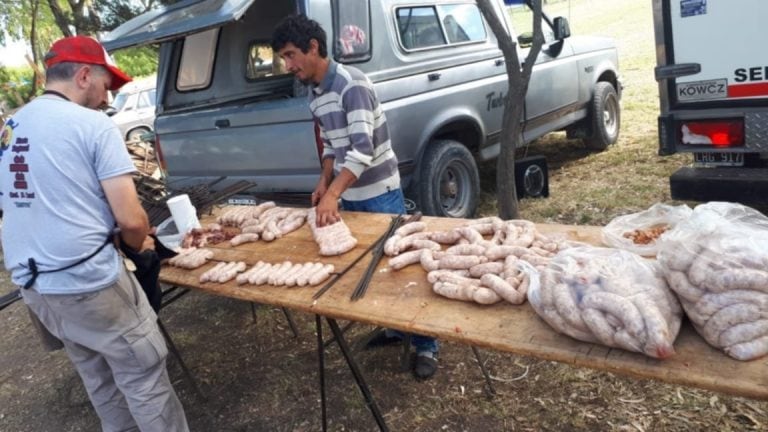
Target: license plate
x=719 y=159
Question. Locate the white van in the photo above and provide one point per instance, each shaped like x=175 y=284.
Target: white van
x=133 y=109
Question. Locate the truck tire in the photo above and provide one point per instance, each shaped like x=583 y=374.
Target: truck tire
x=135 y=134
x=449 y=184
x=605 y=118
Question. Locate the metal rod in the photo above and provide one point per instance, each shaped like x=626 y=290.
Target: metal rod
x=343 y=331
x=321 y=364
x=369 y=401
x=291 y=323
x=488 y=383
x=362 y=285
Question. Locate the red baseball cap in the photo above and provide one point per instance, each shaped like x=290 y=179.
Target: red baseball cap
x=85 y=49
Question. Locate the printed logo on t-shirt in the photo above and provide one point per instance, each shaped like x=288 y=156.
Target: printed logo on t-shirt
x=19 y=192
x=7 y=135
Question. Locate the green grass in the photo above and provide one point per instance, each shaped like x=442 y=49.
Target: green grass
x=592 y=188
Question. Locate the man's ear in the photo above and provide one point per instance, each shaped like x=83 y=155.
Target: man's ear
x=83 y=76
x=314 y=47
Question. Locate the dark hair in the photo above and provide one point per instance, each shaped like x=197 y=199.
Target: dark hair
x=64 y=71
x=299 y=30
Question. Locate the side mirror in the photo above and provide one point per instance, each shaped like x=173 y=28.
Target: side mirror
x=562 y=29
x=110 y=111
x=525 y=40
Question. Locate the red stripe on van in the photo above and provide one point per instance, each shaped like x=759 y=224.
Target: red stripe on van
x=748 y=90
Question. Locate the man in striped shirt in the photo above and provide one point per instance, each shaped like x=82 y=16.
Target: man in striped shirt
x=358 y=163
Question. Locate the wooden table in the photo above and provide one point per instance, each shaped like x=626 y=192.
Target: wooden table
x=404 y=300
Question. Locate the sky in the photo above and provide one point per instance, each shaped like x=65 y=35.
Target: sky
x=12 y=54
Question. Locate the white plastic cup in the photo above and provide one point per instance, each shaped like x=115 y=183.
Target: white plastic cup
x=183 y=213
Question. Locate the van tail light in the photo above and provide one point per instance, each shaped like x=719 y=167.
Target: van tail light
x=719 y=133
x=159 y=156
x=318 y=143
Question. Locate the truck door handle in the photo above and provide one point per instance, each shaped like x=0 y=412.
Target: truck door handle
x=434 y=76
x=223 y=123
x=499 y=62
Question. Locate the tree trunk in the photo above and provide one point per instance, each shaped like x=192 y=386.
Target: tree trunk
x=33 y=42
x=514 y=104
x=61 y=17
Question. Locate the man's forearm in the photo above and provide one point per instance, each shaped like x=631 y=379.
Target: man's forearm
x=342 y=182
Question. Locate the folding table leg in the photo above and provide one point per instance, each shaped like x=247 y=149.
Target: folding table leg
x=291 y=323
x=344 y=330
x=321 y=363
x=369 y=400
x=488 y=383
x=405 y=361
x=253 y=311
x=177 y=354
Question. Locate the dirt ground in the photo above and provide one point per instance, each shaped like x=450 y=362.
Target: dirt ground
x=256 y=376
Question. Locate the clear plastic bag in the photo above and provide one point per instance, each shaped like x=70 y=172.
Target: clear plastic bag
x=611 y=297
x=717 y=264
x=638 y=232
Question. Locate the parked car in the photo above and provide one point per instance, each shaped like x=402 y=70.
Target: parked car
x=133 y=109
x=227 y=106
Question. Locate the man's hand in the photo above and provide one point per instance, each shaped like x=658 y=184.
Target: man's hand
x=148 y=244
x=328 y=210
x=320 y=190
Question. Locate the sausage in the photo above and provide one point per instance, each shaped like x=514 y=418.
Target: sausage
x=466 y=249
x=502 y=288
x=620 y=307
x=243 y=238
x=405 y=259
x=490 y=267
x=410 y=228
x=210 y=273
x=282 y=278
x=445 y=237
x=260 y=277
x=303 y=278
x=459 y=262
x=320 y=275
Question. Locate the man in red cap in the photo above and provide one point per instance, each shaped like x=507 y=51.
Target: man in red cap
x=66 y=191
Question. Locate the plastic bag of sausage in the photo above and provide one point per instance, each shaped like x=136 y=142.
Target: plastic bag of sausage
x=717 y=263
x=609 y=296
x=639 y=232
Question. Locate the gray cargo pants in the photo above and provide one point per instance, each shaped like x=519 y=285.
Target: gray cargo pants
x=113 y=340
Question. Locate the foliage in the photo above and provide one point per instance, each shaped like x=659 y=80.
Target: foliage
x=138 y=61
x=15 y=85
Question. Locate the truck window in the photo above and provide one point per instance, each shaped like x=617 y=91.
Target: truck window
x=422 y=27
x=144 y=100
x=196 y=66
x=462 y=23
x=351 y=31
x=262 y=62
x=522 y=21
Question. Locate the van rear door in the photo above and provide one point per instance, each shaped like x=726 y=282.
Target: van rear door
x=711 y=52
x=175 y=21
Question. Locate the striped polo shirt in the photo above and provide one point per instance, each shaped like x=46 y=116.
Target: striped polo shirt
x=354 y=131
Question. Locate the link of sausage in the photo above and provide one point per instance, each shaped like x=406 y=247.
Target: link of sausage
x=621 y=308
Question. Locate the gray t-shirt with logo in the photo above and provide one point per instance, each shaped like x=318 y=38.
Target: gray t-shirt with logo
x=53 y=156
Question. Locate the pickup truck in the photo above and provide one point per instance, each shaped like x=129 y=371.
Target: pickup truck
x=226 y=106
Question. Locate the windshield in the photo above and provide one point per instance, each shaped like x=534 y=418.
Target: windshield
x=119 y=101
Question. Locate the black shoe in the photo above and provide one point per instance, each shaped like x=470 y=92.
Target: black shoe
x=424 y=367
x=380 y=339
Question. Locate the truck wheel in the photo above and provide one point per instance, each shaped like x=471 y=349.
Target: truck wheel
x=136 y=134
x=449 y=184
x=605 y=118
